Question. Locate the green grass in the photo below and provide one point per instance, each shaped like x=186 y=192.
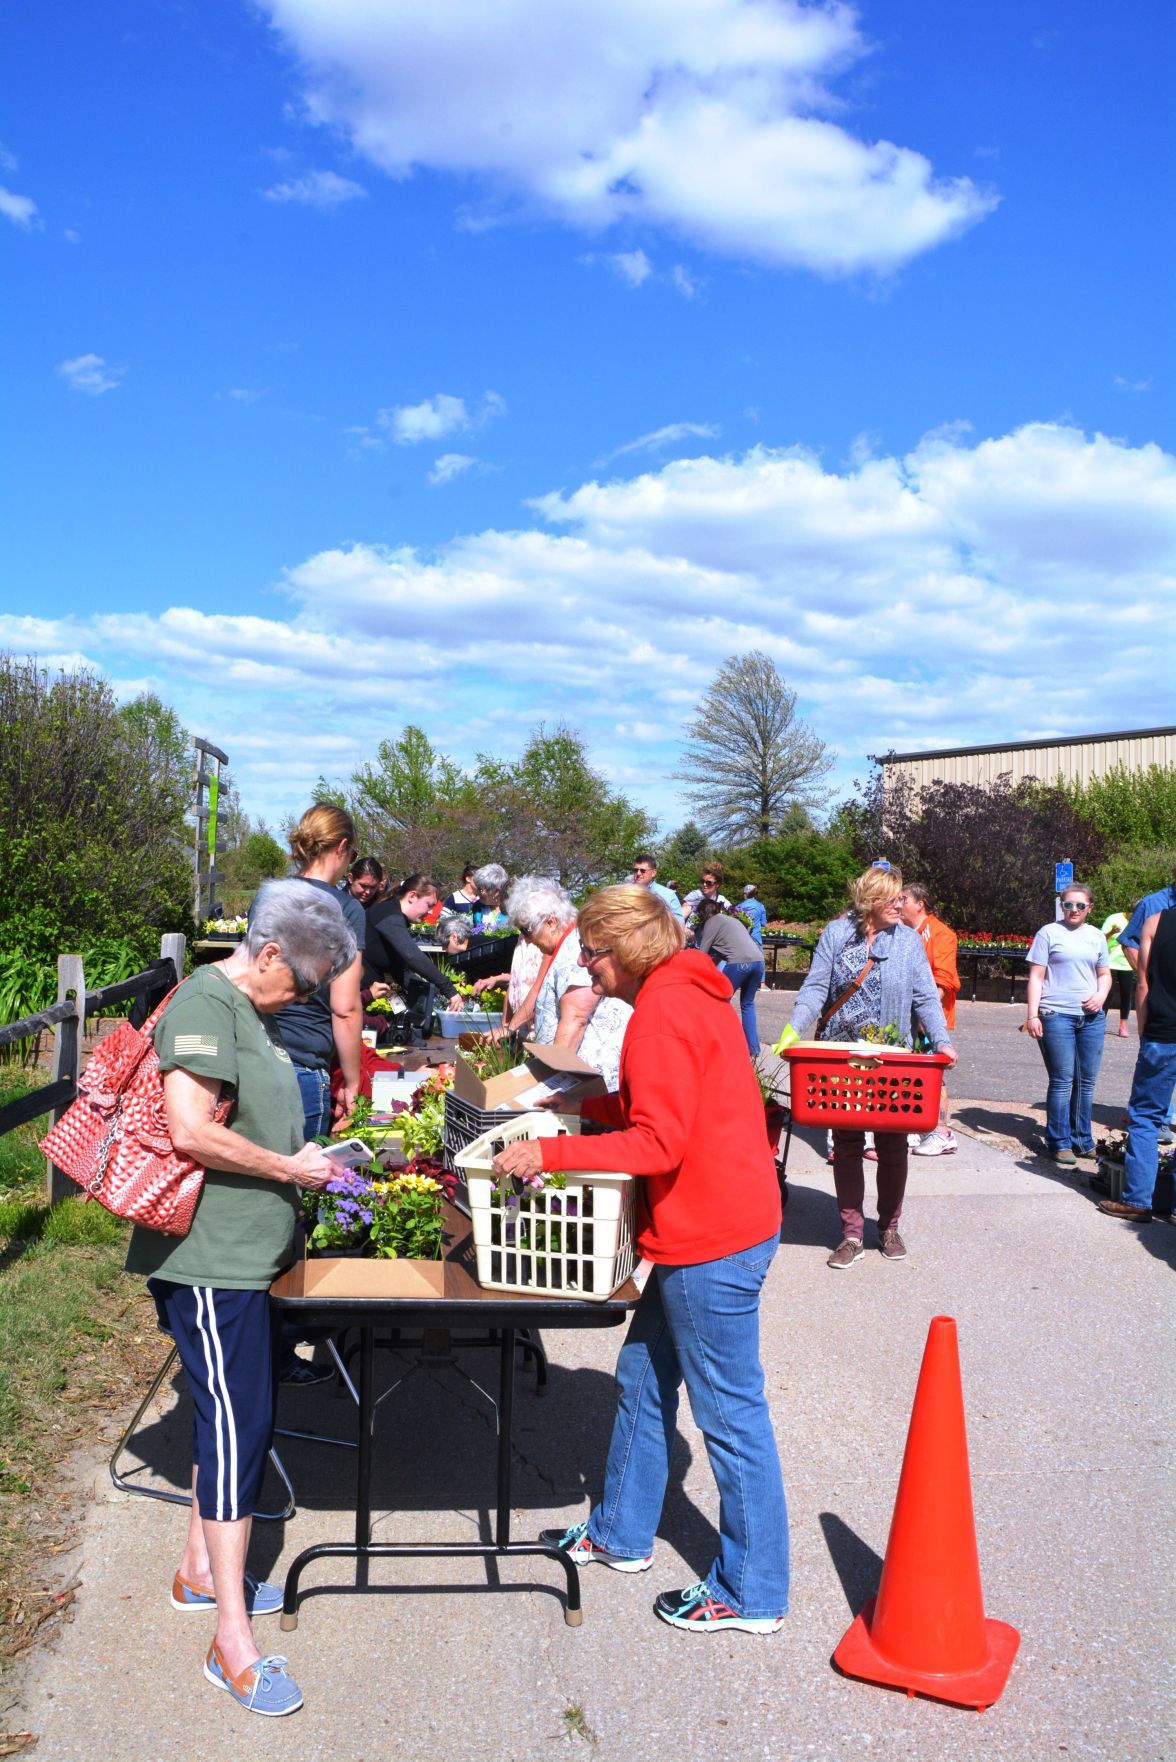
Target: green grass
x=22 y=1166
x=76 y=1338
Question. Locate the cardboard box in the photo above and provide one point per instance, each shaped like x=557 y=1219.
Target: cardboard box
x=329 y=1277
x=508 y=1090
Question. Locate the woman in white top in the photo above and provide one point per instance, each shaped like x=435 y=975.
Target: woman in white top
x=567 y=1012
x=1069 y=978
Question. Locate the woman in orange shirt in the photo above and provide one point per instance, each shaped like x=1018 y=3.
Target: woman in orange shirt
x=942 y=945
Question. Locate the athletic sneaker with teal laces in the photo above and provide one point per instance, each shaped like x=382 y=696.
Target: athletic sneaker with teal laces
x=579 y=1547
x=698 y=1611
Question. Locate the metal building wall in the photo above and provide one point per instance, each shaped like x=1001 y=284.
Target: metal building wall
x=1077 y=760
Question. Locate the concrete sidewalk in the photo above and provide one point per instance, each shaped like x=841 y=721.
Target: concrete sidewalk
x=1065 y=1330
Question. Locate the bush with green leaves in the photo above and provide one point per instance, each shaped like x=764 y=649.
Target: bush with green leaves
x=1132 y=809
x=1122 y=879
x=92 y=833
x=802 y=877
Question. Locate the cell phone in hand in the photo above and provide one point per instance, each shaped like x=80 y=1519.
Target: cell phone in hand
x=349 y=1153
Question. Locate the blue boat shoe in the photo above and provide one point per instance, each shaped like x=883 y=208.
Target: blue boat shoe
x=264 y=1687
x=260 y=1598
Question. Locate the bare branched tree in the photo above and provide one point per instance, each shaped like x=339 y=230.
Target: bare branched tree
x=747 y=759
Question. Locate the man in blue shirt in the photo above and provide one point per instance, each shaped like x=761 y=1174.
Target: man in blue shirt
x=645 y=875
x=1160 y=901
x=1147 y=908
x=755 y=909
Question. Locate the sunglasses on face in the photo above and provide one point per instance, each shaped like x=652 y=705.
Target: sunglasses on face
x=1075 y=905
x=303 y=987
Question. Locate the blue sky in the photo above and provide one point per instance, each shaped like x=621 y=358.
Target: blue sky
x=473 y=366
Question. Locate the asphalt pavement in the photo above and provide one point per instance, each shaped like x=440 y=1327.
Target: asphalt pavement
x=1064 y=1323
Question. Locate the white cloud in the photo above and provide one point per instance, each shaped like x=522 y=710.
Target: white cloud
x=451 y=465
x=72 y=236
x=90 y=374
x=243 y=394
x=685 y=283
x=21 y=210
x=318 y=189
x=1131 y=385
x=707 y=119
x=633 y=267
x=436 y=417
x=954 y=595
x=661 y=438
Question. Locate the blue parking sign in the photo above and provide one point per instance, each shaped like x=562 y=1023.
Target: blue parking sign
x=1063 y=875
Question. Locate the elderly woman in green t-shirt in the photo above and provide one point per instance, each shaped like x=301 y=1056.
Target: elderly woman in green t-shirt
x=216 y=1042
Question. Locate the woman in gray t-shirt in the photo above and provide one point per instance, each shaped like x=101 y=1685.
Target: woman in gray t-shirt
x=1069 y=978
x=737 y=955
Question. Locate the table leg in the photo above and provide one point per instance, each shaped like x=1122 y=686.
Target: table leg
x=363 y=1479
x=363 y=1549
x=506 y=1355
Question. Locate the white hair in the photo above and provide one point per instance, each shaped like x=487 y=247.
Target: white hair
x=308 y=926
x=535 y=898
x=490 y=875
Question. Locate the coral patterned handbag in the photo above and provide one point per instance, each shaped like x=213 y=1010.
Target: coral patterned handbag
x=114 y=1139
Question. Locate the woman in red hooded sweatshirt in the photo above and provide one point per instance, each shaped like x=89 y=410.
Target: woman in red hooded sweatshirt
x=689 y=1124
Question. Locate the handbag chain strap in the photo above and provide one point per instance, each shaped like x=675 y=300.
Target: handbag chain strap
x=105 y=1150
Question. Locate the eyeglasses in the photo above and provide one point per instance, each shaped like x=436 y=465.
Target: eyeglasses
x=588 y=955
x=1075 y=905
x=709 y=881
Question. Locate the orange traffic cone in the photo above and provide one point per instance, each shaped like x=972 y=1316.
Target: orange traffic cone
x=926 y=1631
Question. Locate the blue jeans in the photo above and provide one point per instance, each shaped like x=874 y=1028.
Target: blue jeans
x=700 y=1325
x=315 y=1086
x=746 y=977
x=1072 y=1047
x=1148 y=1113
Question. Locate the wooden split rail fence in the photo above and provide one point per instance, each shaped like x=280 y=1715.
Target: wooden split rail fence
x=67 y=1017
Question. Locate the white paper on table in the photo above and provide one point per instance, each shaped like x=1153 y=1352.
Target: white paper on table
x=559 y=1083
x=388 y=1087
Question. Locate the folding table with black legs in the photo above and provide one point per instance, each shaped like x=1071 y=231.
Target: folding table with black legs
x=461 y=1302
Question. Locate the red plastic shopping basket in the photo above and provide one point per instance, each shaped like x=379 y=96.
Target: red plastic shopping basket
x=856 y=1091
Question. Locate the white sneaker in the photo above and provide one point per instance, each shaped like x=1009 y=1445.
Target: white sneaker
x=934 y=1143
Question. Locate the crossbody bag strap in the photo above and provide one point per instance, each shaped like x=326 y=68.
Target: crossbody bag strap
x=846 y=994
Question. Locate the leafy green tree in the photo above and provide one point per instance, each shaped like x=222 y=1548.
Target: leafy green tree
x=547 y=812
x=748 y=760
x=1130 y=808
x=802 y=877
x=558 y=815
x=167 y=744
x=680 y=856
x=1120 y=881
x=93 y=844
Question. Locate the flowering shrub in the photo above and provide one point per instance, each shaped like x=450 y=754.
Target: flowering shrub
x=981 y=939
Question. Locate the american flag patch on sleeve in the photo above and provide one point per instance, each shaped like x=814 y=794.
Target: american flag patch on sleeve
x=195 y=1046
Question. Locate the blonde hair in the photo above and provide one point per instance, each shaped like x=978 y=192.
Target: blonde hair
x=877 y=887
x=320 y=829
x=636 y=926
